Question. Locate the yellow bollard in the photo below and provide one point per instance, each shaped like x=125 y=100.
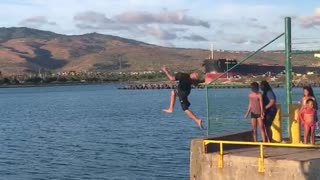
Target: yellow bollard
x=294 y=124
x=277 y=125
x=220 y=156
x=261 y=160
x=220 y=161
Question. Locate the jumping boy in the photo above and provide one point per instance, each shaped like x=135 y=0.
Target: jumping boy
x=186 y=80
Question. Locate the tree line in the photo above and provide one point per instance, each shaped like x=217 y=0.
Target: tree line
x=81 y=77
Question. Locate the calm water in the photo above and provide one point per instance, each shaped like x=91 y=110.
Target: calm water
x=99 y=132
x=228 y=106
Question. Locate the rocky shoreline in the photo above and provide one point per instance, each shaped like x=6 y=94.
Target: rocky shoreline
x=155 y=86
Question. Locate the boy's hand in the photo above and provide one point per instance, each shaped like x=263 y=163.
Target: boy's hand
x=164 y=69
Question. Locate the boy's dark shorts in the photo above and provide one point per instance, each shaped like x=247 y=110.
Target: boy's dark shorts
x=269 y=115
x=183 y=97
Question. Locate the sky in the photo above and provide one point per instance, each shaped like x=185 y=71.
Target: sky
x=222 y=24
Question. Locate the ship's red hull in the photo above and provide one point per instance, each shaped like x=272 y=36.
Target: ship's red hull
x=215 y=75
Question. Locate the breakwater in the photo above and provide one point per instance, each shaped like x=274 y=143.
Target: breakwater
x=142 y=86
x=173 y=86
x=148 y=86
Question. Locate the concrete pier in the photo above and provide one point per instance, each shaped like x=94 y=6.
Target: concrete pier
x=240 y=162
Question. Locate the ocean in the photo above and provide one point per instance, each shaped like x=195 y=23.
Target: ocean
x=100 y=132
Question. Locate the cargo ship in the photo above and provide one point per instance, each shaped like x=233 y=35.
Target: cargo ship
x=217 y=68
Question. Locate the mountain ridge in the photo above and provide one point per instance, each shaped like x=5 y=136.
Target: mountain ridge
x=25 y=50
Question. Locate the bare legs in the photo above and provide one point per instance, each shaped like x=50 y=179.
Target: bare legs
x=261 y=127
x=172 y=101
x=306 y=133
x=194 y=118
x=308 y=130
x=254 y=129
x=312 y=135
x=188 y=112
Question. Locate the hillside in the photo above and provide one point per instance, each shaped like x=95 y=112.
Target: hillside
x=24 y=50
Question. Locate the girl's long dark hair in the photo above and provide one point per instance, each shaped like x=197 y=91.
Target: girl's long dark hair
x=266 y=86
x=309 y=89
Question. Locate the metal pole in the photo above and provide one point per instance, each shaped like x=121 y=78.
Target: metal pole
x=208 y=121
x=288 y=65
x=227 y=69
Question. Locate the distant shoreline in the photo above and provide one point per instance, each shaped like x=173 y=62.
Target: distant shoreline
x=141 y=85
x=52 y=84
x=164 y=85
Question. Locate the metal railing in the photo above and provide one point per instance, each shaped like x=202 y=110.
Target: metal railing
x=261 y=144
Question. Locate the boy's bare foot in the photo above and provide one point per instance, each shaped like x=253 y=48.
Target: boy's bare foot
x=167 y=110
x=200 y=124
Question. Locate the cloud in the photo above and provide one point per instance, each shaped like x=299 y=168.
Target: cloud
x=95 y=20
x=124 y=21
x=237 y=39
x=92 y=17
x=310 y=21
x=142 y=23
x=170 y=34
x=268 y=35
x=101 y=26
x=236 y=9
x=164 y=17
x=253 y=19
x=36 y=22
x=243 y=22
x=160 y=33
x=195 y=37
x=253 y=23
x=242 y=40
x=256 y=41
x=220 y=33
x=179 y=29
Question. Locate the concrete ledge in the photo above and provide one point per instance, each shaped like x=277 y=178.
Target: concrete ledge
x=242 y=163
x=199 y=159
x=237 y=136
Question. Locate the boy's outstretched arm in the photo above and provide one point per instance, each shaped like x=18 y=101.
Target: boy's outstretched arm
x=171 y=78
x=207 y=80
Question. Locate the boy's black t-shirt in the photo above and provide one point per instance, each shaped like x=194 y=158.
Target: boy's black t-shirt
x=185 y=82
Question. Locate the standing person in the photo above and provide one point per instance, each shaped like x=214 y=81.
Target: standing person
x=183 y=90
x=269 y=106
x=308 y=116
x=255 y=107
x=308 y=94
